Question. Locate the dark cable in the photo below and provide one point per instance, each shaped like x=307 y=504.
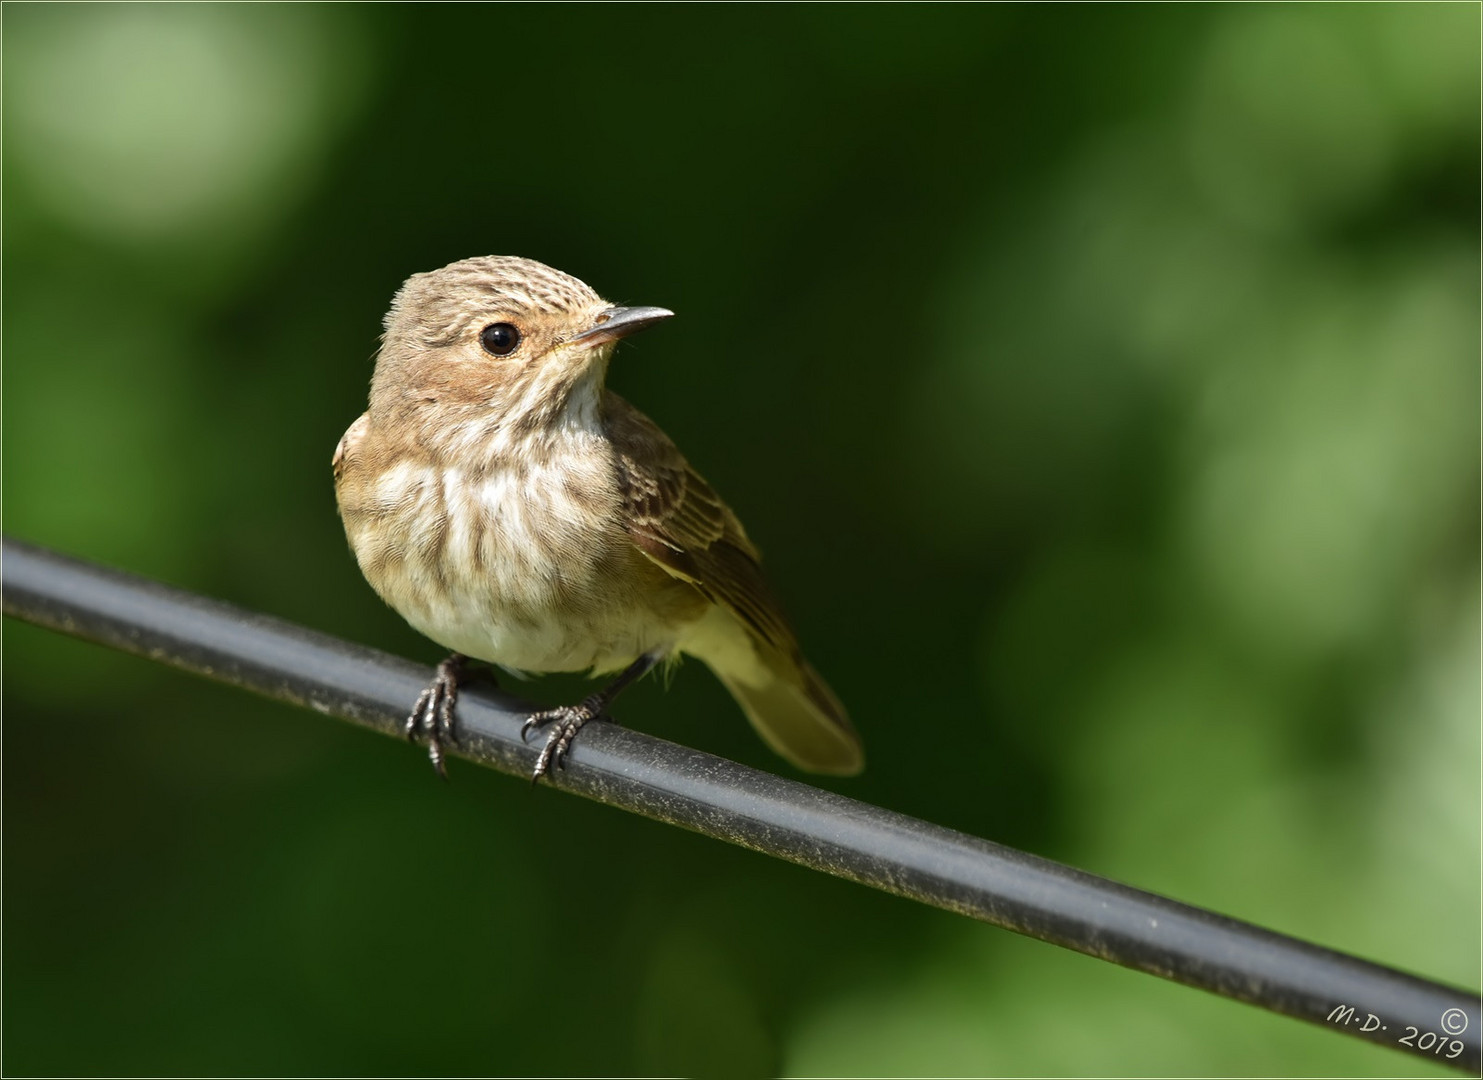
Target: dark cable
x=767 y=813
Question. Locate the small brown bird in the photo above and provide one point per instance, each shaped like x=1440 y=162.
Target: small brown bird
x=513 y=509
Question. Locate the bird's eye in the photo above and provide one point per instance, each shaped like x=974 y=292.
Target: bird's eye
x=500 y=339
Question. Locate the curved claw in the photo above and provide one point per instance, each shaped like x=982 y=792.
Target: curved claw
x=572 y=718
x=433 y=717
x=569 y=720
x=414 y=721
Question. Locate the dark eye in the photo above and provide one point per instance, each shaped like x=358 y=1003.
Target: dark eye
x=499 y=339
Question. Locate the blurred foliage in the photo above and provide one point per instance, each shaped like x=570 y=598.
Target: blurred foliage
x=1101 y=382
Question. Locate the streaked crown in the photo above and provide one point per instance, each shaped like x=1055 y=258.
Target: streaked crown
x=438 y=307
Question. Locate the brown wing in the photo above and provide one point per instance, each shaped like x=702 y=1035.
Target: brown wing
x=677 y=519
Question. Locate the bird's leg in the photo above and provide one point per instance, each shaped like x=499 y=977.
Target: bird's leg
x=570 y=719
x=433 y=717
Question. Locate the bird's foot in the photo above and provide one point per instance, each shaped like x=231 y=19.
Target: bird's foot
x=569 y=719
x=432 y=718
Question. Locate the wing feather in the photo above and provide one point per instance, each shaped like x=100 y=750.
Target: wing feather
x=677 y=519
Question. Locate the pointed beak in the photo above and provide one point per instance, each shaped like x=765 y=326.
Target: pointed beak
x=619 y=322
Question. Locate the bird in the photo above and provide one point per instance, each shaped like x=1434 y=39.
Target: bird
x=513 y=509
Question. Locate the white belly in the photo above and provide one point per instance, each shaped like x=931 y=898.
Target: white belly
x=511 y=569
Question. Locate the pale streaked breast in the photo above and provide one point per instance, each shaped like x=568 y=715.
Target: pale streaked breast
x=522 y=566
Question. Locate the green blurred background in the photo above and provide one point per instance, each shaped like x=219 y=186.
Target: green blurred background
x=1101 y=383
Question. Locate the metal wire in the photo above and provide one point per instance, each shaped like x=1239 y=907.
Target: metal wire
x=757 y=810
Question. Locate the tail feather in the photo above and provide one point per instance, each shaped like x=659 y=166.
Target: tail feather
x=797 y=715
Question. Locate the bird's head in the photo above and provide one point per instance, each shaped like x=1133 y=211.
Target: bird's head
x=499 y=344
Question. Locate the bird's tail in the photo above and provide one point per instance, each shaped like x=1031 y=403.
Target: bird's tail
x=797 y=715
